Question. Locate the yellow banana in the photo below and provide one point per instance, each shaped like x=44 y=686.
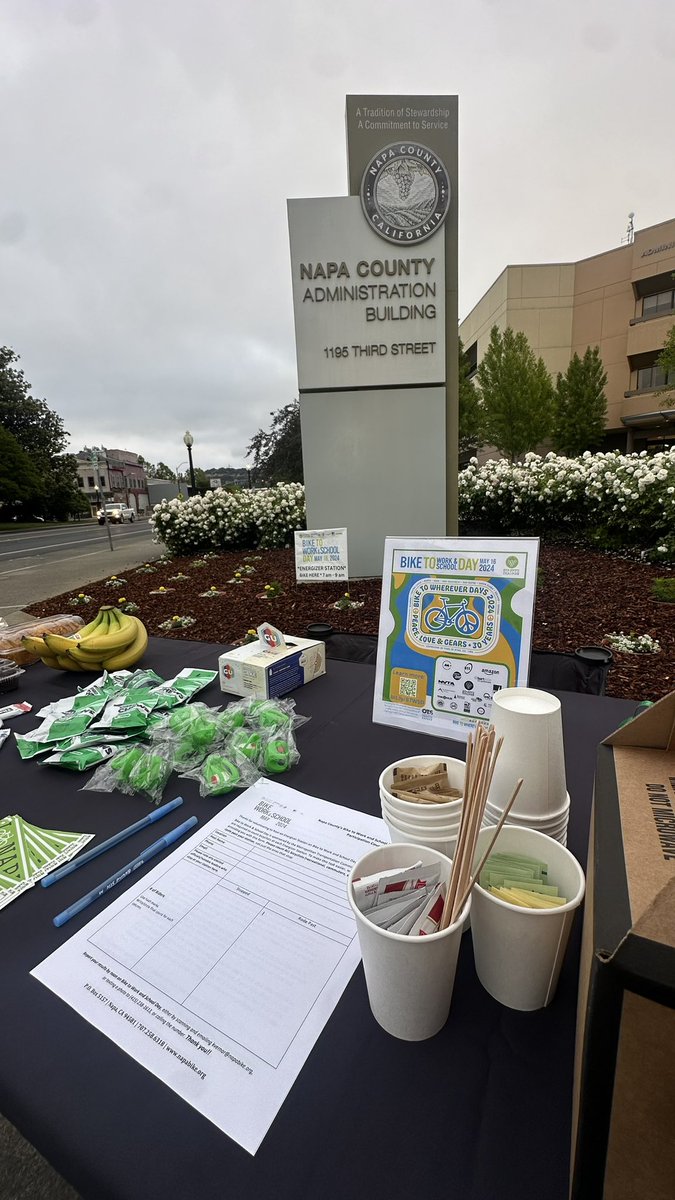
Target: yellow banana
x=50 y=660
x=88 y=660
x=57 y=644
x=67 y=663
x=93 y=626
x=117 y=639
x=60 y=644
x=113 y=619
x=35 y=645
x=131 y=654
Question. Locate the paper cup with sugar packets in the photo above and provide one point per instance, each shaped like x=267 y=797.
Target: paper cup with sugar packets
x=409 y=977
x=519 y=951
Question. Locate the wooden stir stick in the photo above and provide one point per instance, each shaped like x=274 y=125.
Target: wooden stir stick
x=481 y=759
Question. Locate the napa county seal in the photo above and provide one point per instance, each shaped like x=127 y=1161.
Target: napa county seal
x=405 y=192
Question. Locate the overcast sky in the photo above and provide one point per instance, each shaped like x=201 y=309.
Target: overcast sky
x=148 y=147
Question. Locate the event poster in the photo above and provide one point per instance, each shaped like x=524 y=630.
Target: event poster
x=321 y=555
x=455 y=627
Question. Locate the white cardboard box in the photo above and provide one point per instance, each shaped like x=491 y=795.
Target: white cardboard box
x=247 y=671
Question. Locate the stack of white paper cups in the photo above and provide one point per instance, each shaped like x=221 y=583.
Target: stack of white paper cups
x=530 y=721
x=432 y=825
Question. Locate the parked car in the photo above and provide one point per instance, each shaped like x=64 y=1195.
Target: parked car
x=116 y=514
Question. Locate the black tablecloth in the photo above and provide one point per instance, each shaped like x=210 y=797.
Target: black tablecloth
x=480 y=1112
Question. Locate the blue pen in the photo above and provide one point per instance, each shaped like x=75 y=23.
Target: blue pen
x=104 y=887
x=82 y=859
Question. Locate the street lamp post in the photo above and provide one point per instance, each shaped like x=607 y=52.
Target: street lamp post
x=189 y=442
x=101 y=493
x=178 y=471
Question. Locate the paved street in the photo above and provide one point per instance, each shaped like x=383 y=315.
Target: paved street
x=42 y=563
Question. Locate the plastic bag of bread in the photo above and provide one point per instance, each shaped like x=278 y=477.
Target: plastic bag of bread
x=10 y=638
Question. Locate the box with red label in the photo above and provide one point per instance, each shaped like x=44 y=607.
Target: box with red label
x=250 y=671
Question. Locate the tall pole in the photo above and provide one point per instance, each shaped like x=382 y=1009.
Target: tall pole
x=188 y=441
x=101 y=493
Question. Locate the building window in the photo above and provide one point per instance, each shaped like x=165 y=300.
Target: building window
x=652 y=377
x=90 y=481
x=102 y=479
x=80 y=481
x=660 y=302
x=471 y=358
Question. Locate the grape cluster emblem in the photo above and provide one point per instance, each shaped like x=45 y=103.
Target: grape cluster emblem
x=405 y=193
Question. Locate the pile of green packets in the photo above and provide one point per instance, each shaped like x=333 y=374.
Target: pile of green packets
x=136 y=728
x=520 y=880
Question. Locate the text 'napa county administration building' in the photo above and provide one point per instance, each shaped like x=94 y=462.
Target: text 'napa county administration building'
x=622 y=301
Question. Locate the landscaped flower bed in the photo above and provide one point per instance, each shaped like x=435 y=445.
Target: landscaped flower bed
x=582 y=597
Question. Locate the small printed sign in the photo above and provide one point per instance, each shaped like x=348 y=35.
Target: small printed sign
x=455 y=627
x=321 y=555
x=215 y=482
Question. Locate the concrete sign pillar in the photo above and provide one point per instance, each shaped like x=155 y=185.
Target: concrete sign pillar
x=375 y=303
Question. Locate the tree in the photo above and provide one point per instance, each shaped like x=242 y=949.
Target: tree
x=161 y=471
x=19 y=481
x=470 y=411
x=164 y=472
x=277 y=453
x=40 y=434
x=580 y=404
x=517 y=394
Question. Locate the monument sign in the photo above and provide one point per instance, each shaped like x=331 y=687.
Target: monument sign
x=375 y=302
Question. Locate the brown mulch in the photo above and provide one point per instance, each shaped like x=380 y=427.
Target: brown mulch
x=582 y=596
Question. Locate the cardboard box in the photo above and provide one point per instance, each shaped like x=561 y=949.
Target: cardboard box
x=624 y=1085
x=248 y=671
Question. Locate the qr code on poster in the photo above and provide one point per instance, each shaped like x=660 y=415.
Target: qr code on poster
x=407 y=687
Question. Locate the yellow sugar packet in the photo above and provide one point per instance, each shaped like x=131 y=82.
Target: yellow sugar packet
x=525 y=899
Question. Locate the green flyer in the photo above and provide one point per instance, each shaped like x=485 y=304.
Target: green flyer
x=455 y=627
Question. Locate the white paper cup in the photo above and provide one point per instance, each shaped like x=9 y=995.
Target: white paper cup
x=555 y=822
x=442 y=845
x=456 y=770
x=409 y=979
x=530 y=722
x=435 y=828
x=519 y=951
x=414 y=813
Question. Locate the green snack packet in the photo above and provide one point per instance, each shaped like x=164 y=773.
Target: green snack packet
x=232 y=718
x=143 y=678
x=196 y=726
x=125 y=761
x=268 y=715
x=81 y=760
x=28 y=747
x=145 y=696
x=276 y=756
x=183 y=687
x=71 y=726
x=119 y=715
x=219 y=776
x=243 y=741
x=149 y=774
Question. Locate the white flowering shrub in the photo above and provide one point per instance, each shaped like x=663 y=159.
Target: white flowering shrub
x=633 y=643
x=262 y=519
x=621 y=499
x=615 y=499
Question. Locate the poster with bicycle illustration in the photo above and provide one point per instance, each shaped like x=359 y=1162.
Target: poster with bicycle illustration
x=455 y=627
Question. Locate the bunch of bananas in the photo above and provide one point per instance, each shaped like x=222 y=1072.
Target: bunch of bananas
x=112 y=641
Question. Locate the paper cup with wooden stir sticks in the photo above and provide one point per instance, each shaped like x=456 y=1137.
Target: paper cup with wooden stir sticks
x=481 y=757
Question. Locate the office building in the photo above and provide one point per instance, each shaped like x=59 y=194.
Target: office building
x=622 y=301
